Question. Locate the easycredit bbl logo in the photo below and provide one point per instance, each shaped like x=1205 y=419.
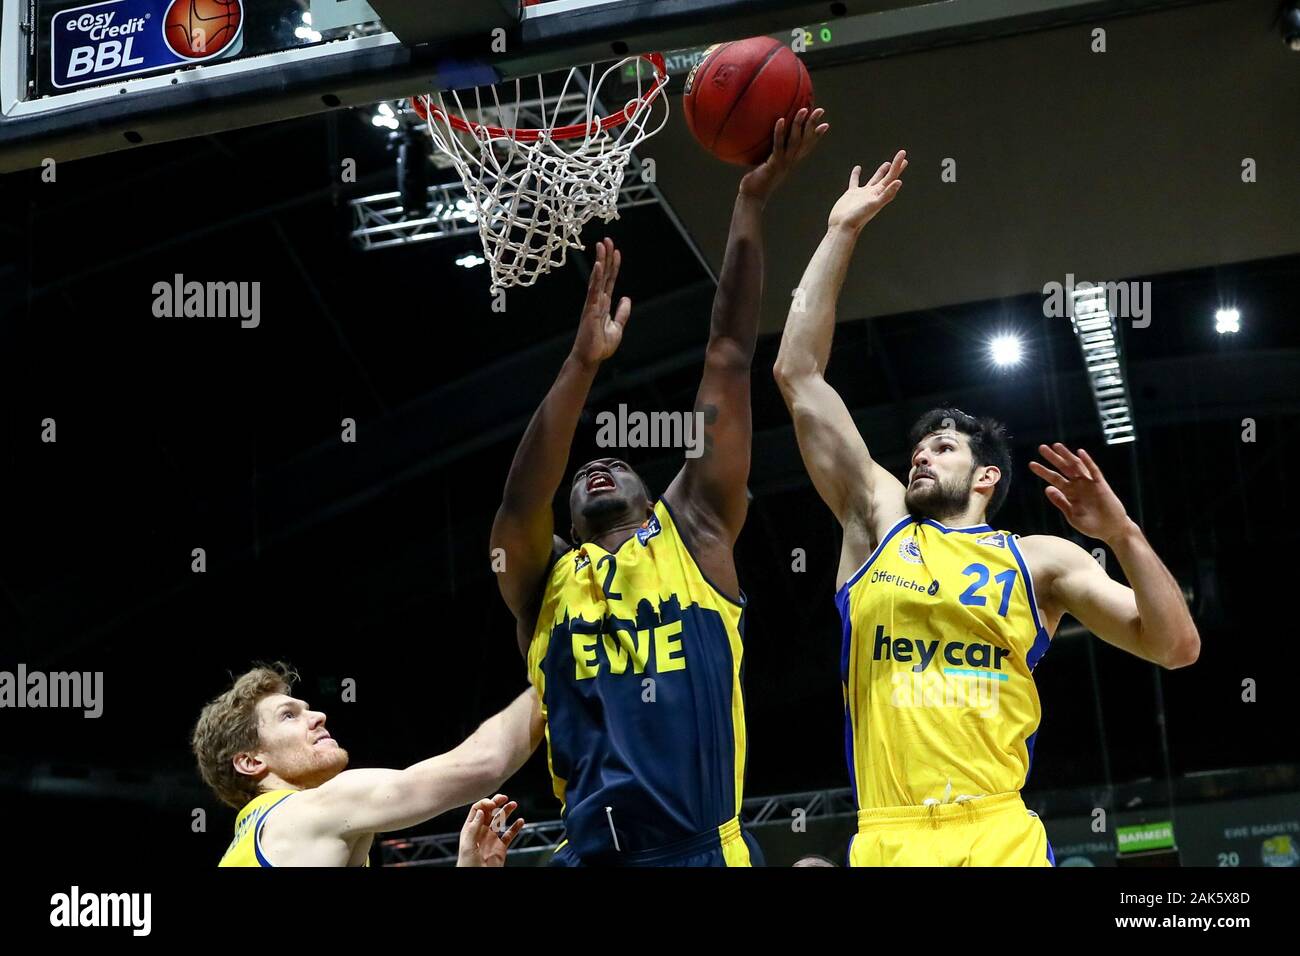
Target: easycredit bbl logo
x=104 y=41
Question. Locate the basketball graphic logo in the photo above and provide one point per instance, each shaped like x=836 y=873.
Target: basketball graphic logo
x=199 y=29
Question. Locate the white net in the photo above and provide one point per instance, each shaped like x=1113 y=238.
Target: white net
x=534 y=188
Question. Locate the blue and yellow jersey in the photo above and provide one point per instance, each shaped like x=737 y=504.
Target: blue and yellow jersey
x=244 y=849
x=637 y=660
x=941 y=636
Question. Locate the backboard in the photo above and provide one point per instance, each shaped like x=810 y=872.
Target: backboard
x=83 y=78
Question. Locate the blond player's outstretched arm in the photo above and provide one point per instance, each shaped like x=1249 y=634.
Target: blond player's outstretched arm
x=865 y=498
x=377 y=801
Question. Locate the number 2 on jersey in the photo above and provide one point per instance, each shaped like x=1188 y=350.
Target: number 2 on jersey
x=609 y=577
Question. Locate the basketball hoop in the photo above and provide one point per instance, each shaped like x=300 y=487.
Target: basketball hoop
x=534 y=187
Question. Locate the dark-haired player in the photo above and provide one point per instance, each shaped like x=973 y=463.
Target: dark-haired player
x=633 y=629
x=944 y=617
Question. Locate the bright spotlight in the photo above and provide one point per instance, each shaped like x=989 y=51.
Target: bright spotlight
x=1226 y=321
x=470 y=260
x=1006 y=350
x=385 y=117
x=305 y=32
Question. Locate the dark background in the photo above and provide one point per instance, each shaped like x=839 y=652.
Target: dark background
x=369 y=561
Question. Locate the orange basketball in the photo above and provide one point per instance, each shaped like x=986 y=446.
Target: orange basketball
x=735 y=95
x=197 y=29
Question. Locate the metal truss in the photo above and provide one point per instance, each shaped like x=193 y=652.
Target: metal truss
x=441 y=850
x=379 y=221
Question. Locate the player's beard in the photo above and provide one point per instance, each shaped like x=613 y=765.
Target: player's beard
x=603 y=511
x=937 y=500
x=315 y=767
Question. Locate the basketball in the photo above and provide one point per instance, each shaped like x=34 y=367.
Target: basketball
x=198 y=29
x=735 y=95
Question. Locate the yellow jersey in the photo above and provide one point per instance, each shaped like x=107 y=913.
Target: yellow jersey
x=245 y=849
x=941 y=636
x=637 y=660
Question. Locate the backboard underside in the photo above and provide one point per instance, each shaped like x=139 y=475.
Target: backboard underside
x=80 y=79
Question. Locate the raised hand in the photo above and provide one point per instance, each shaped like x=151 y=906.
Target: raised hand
x=859 y=204
x=1080 y=491
x=484 y=839
x=789 y=149
x=599 y=333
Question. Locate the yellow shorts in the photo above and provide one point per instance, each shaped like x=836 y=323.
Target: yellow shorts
x=996 y=830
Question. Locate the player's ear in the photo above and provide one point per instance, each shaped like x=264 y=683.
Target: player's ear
x=573 y=536
x=991 y=476
x=249 y=765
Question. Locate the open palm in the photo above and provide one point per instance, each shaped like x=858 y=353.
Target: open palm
x=1079 y=490
x=859 y=204
x=599 y=332
x=485 y=838
x=789 y=148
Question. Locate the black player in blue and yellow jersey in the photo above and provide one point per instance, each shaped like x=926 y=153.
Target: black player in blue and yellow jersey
x=944 y=617
x=633 y=629
x=268 y=754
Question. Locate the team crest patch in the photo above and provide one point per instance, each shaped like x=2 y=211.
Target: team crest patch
x=910 y=551
x=581 y=561
x=1279 y=851
x=648 y=530
x=998 y=540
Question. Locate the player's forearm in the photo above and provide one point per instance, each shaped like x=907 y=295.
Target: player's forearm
x=505 y=741
x=810 y=326
x=543 y=453
x=486 y=759
x=1168 y=633
x=733 y=330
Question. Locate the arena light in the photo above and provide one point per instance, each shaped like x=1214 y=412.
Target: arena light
x=1098 y=337
x=1227 y=321
x=465 y=210
x=1006 y=350
x=385 y=117
x=470 y=260
x=305 y=32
